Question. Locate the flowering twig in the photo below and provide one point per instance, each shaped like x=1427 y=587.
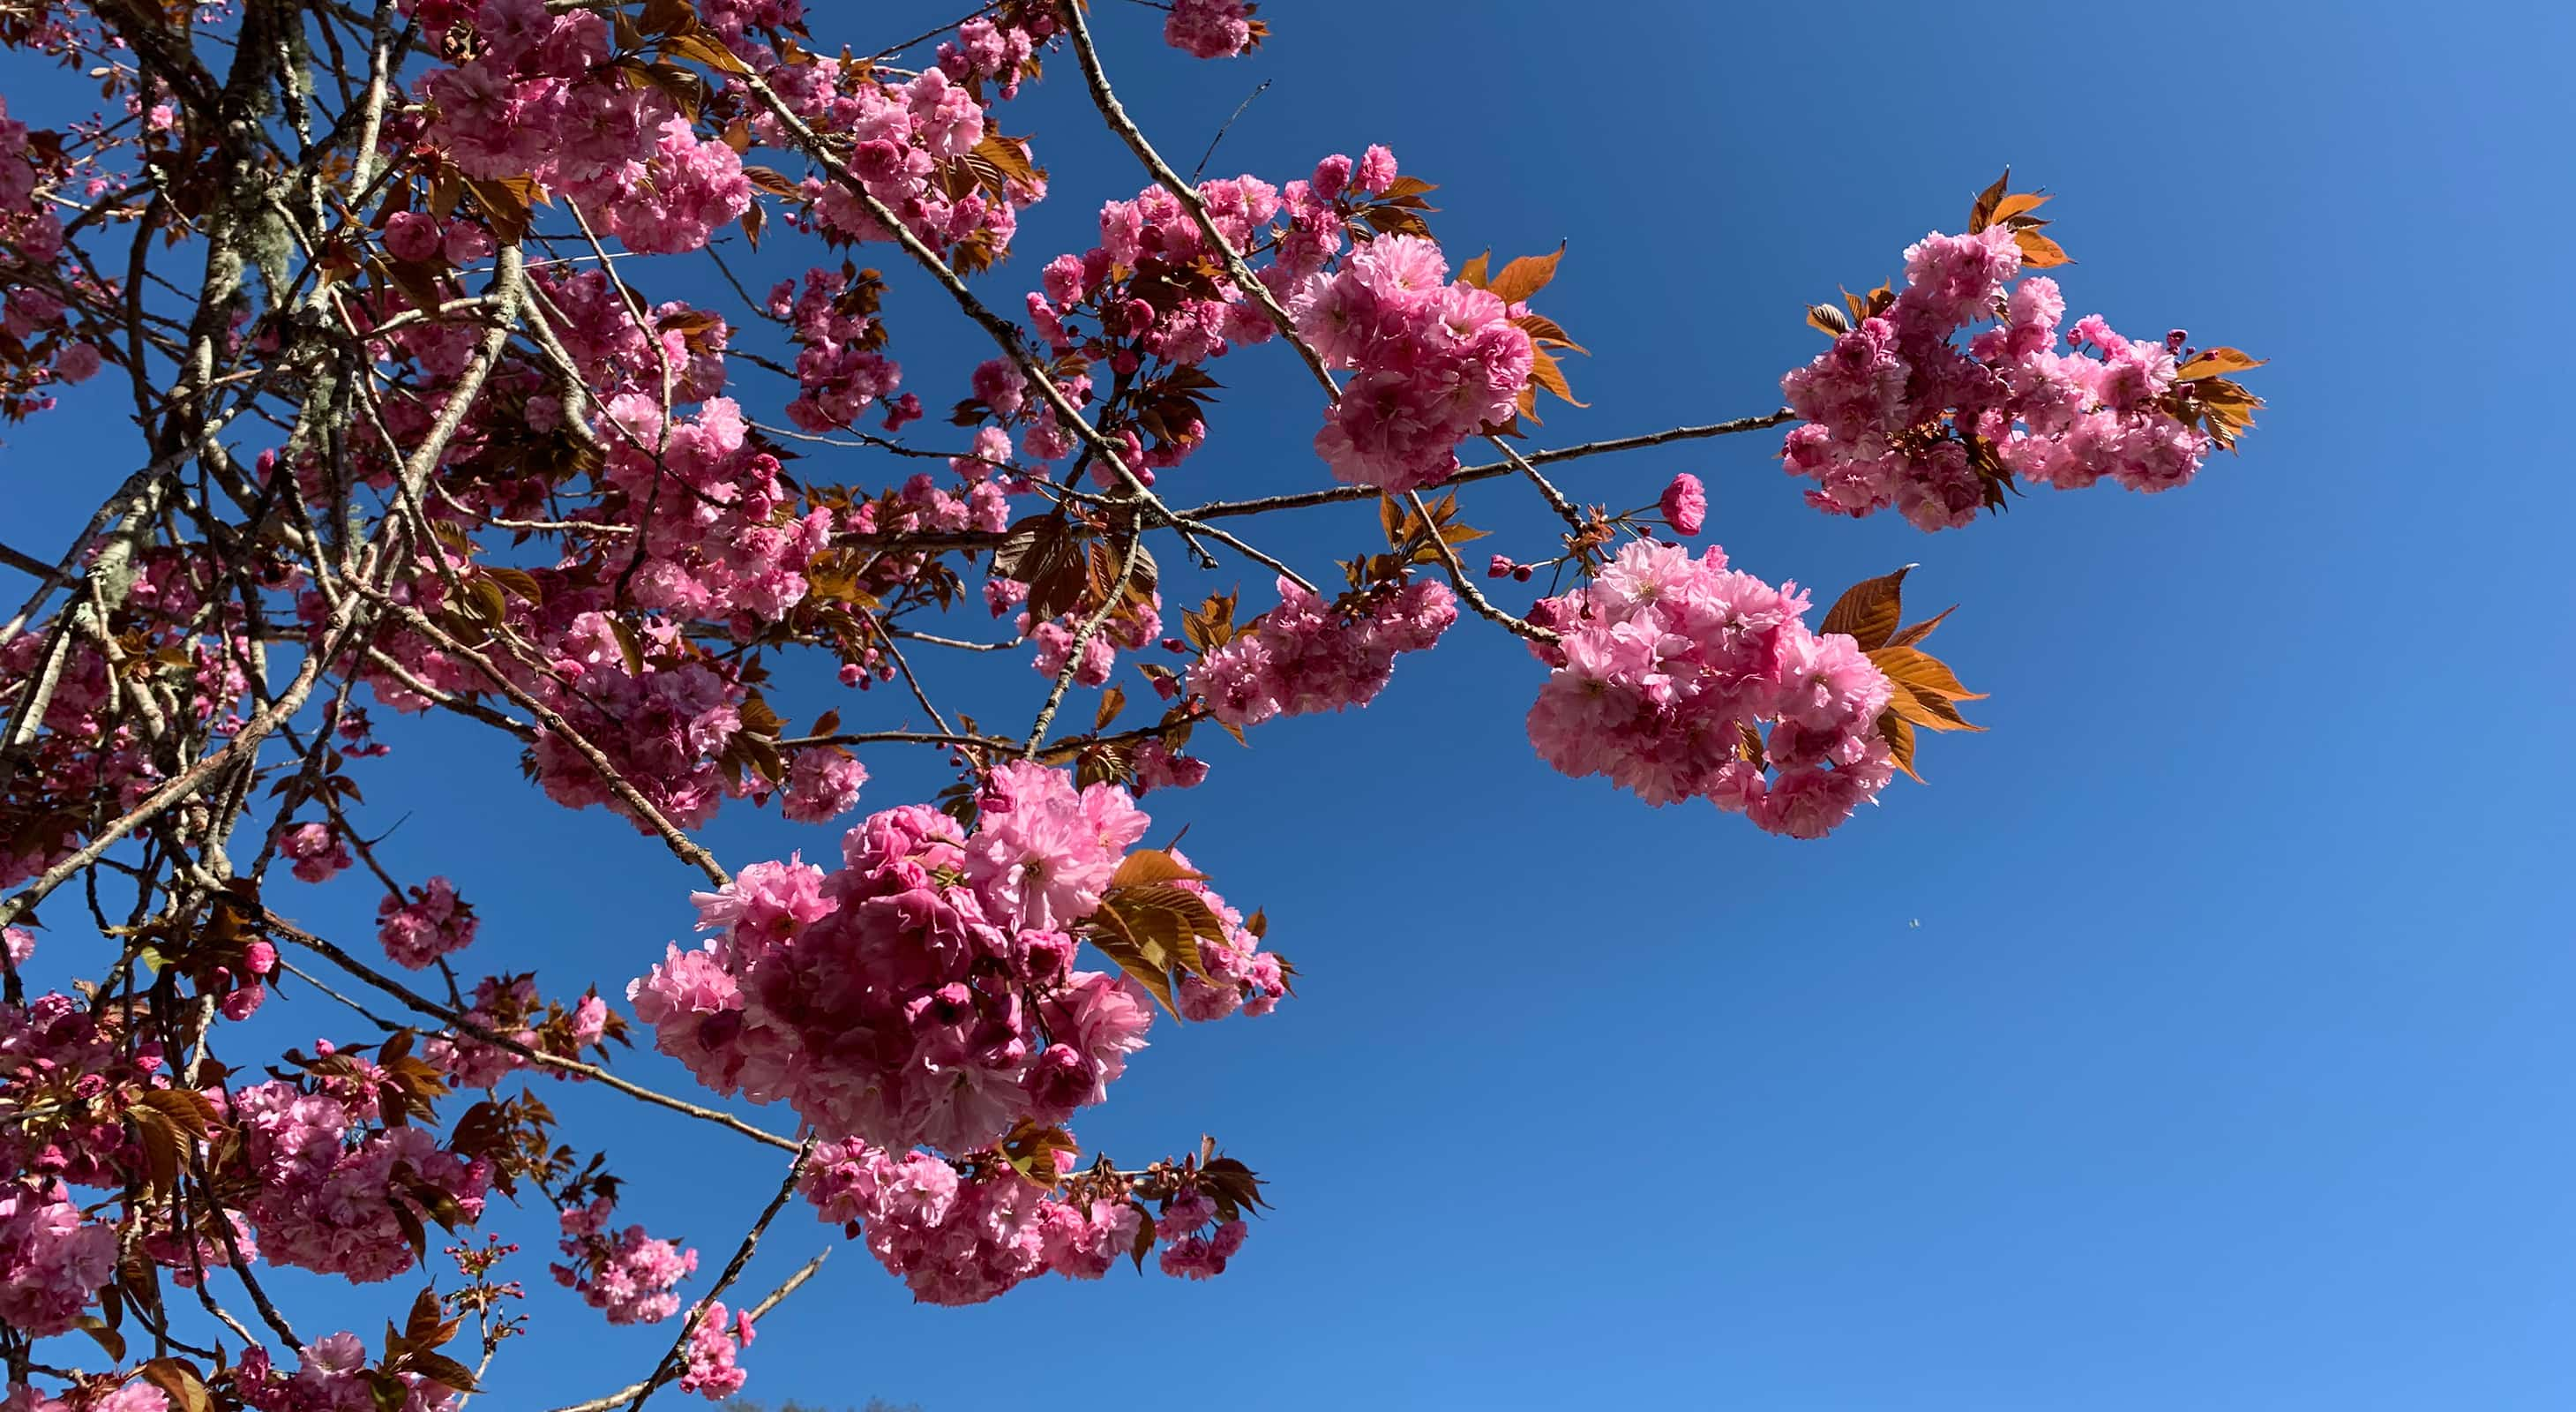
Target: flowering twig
x=776 y=1297
x=732 y=1271
x=339 y=957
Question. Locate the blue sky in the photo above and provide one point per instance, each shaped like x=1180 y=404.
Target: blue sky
x=2200 y=1037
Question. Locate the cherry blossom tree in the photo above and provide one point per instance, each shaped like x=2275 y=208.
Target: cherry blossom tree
x=417 y=434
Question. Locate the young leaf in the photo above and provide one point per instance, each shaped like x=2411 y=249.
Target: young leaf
x=1982 y=213
x=1033 y=1149
x=109 y=1340
x=1899 y=736
x=420 y=1328
x=1112 y=939
x=2216 y=362
x=439 y=1368
x=2017 y=206
x=1921 y=630
x=1927 y=710
x=1869 y=610
x=1922 y=671
x=1547 y=333
x=177 y=1378
x=1144 y=1243
x=162 y=1153
x=1526 y=276
x=505 y=204
x=1547 y=373
x=1147 y=866
x=705 y=49
x=2038 y=252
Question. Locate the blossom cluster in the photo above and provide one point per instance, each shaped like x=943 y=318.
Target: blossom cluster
x=1211 y=29
x=951 y=1239
x=910 y=139
x=1898 y=413
x=1131 y=626
x=330 y=1178
x=40 y=345
x=52 y=1262
x=840 y=371
x=708 y=1365
x=923 y=992
x=98 y=1395
x=1435 y=361
x=434 y=923
x=331 y=1375
x=511 y=1008
x=966 y=1233
x=316 y=851
x=626 y=1274
x=66 y=1078
x=1153 y=301
x=91 y=761
x=1667 y=667
x=1307 y=655
x=541 y=101
x=1240 y=974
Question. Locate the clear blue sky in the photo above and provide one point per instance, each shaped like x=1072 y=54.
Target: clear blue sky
x=2230 y=1064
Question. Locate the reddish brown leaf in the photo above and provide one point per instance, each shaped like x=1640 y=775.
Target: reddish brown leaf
x=1147 y=866
x=420 y=1328
x=109 y=1340
x=773 y=182
x=1546 y=373
x=1927 y=710
x=705 y=49
x=1899 y=736
x=2018 y=205
x=178 y=1378
x=439 y=1368
x=1921 y=630
x=2216 y=362
x=1526 y=276
x=1546 y=332
x=1922 y=671
x=1982 y=213
x=505 y=206
x=1869 y=610
x=1033 y=1150
x=2038 y=252
x=1112 y=939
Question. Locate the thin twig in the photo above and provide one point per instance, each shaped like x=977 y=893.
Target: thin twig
x=457 y=1021
x=1210 y=153
x=759 y=1311
x=673 y=1361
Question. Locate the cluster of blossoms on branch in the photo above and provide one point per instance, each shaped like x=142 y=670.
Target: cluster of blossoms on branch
x=485 y=475
x=626 y=1274
x=1667 y=663
x=1307 y=655
x=1900 y=413
x=924 y=992
x=1436 y=361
